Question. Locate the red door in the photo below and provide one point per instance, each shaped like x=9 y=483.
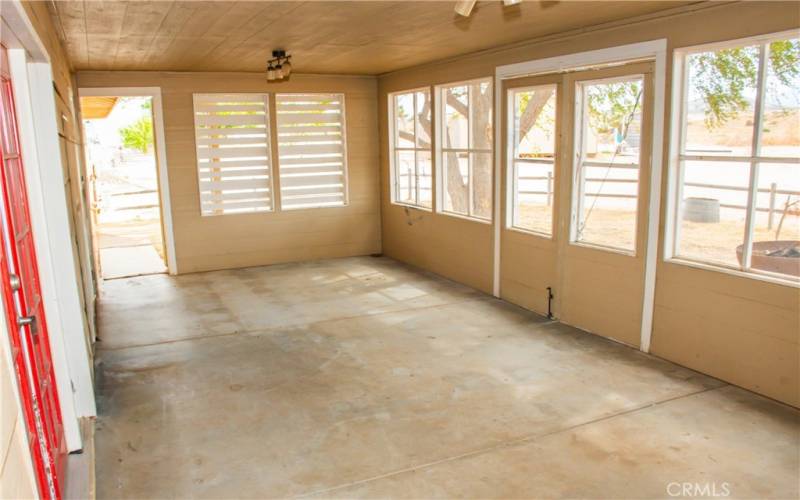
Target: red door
x=24 y=310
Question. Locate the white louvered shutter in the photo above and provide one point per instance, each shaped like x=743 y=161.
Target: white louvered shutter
x=311 y=150
x=233 y=153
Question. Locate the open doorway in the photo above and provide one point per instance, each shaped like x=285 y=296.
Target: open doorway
x=123 y=185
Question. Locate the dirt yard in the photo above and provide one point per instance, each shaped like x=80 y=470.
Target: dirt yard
x=706 y=241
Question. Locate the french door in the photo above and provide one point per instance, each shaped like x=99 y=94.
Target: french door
x=22 y=300
x=576 y=185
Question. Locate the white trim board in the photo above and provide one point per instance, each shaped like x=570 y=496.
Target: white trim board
x=651 y=50
x=161 y=155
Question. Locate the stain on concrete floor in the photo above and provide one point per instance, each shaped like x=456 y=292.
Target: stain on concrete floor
x=361 y=377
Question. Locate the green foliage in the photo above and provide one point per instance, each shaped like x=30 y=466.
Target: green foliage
x=138 y=135
x=611 y=105
x=722 y=78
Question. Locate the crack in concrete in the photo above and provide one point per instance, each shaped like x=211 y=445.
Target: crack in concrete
x=508 y=444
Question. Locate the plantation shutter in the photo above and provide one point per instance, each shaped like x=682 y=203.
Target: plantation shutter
x=311 y=150
x=233 y=153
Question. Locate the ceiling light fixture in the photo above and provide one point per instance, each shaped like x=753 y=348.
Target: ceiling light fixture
x=279 y=67
x=464 y=7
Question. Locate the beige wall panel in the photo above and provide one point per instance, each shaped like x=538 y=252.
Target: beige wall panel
x=9 y=404
x=16 y=477
x=713 y=348
x=528 y=266
x=447 y=245
x=229 y=241
x=16 y=471
x=40 y=18
x=741 y=330
x=605 y=314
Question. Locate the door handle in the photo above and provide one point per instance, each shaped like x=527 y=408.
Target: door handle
x=30 y=322
x=26 y=320
x=14 y=281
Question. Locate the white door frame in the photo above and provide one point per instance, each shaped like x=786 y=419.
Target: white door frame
x=161 y=155
x=32 y=78
x=651 y=50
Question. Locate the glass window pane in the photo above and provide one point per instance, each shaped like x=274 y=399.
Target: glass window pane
x=456 y=117
x=481 y=185
x=404 y=120
x=405 y=182
x=607 y=200
x=455 y=182
x=535 y=122
x=780 y=134
x=425 y=179
x=467 y=127
x=481 y=115
x=614 y=121
x=713 y=211
x=423 y=117
x=776 y=235
x=720 y=95
x=534 y=195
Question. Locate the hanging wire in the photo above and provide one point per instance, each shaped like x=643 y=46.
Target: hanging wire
x=613 y=158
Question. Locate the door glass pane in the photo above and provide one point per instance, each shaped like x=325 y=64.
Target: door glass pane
x=534 y=144
x=607 y=170
x=776 y=238
x=721 y=91
x=481 y=185
x=713 y=211
x=781 y=126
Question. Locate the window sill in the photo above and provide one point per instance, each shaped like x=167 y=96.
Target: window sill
x=409 y=205
x=530 y=232
x=488 y=222
x=313 y=207
x=776 y=280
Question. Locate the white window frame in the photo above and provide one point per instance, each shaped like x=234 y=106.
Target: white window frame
x=275 y=172
x=677 y=159
x=439 y=164
x=394 y=148
x=512 y=142
x=270 y=153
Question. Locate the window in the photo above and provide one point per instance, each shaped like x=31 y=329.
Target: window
x=533 y=158
x=410 y=151
x=736 y=190
x=233 y=153
x=607 y=157
x=465 y=125
x=312 y=157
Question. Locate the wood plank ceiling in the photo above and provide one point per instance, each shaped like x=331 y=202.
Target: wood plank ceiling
x=371 y=37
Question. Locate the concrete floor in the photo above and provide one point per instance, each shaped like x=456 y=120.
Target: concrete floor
x=364 y=378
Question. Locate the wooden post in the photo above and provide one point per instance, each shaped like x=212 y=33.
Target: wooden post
x=772 y=192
